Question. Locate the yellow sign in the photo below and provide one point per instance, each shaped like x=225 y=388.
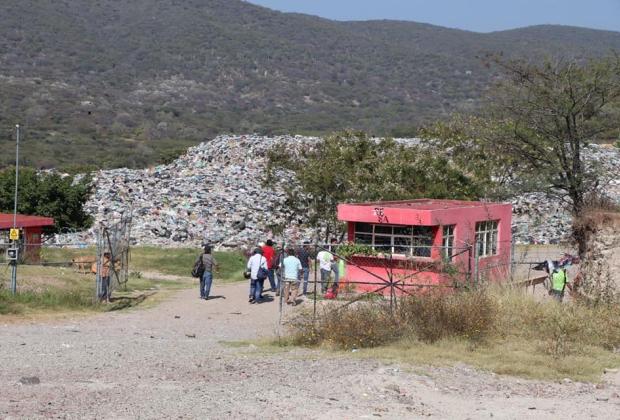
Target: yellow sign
x=14 y=234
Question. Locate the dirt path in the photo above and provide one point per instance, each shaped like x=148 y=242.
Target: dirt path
x=170 y=362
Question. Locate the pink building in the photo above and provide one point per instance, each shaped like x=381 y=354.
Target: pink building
x=31 y=228
x=428 y=242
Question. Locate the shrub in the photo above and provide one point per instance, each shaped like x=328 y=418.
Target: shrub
x=357 y=326
x=434 y=316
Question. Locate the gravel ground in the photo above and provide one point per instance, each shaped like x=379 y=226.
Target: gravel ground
x=170 y=362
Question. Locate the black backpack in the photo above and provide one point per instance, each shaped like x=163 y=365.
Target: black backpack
x=199 y=268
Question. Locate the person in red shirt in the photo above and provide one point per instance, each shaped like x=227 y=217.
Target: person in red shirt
x=269 y=253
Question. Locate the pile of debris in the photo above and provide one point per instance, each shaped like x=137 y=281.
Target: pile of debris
x=216 y=193
x=539 y=219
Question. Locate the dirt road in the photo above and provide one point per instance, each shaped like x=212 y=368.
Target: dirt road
x=171 y=362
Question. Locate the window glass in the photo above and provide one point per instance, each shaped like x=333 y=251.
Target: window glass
x=402 y=245
x=363 y=227
x=364 y=239
x=486 y=238
x=403 y=230
x=383 y=229
x=383 y=243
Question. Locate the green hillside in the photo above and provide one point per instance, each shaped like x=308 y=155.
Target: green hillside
x=124 y=83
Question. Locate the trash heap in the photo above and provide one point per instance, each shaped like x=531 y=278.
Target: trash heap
x=538 y=219
x=215 y=193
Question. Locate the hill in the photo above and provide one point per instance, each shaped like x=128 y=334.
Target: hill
x=114 y=83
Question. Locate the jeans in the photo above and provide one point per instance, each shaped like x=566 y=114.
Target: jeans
x=256 y=289
x=271 y=277
x=205 y=284
x=336 y=271
x=105 y=288
x=324 y=279
x=306 y=276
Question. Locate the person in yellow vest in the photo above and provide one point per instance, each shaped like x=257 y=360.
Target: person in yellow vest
x=559 y=280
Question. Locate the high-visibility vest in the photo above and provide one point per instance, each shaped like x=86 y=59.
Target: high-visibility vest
x=558 y=280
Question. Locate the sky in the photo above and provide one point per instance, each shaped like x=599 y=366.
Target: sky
x=473 y=15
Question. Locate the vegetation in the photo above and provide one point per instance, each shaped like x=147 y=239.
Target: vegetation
x=48 y=290
x=351 y=166
x=537 y=123
x=169 y=261
x=505 y=331
x=47 y=194
x=99 y=84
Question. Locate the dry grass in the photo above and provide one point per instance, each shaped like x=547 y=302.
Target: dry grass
x=503 y=331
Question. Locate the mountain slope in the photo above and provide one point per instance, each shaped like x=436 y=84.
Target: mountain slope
x=114 y=83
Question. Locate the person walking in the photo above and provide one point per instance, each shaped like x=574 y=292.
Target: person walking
x=304 y=257
x=208 y=264
x=292 y=269
x=325 y=259
x=270 y=255
x=257 y=266
x=280 y=256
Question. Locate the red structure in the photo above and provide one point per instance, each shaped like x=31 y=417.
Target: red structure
x=429 y=242
x=31 y=229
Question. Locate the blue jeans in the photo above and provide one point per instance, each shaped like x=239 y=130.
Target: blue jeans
x=256 y=289
x=271 y=276
x=336 y=271
x=324 y=279
x=205 y=284
x=306 y=276
x=105 y=288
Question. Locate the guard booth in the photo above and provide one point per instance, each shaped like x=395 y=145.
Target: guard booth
x=31 y=230
x=428 y=242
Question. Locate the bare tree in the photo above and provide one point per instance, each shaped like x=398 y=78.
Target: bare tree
x=536 y=124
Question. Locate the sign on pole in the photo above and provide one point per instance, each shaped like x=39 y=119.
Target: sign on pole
x=14 y=235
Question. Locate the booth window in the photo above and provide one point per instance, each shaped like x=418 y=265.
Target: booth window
x=413 y=241
x=486 y=238
x=447 y=249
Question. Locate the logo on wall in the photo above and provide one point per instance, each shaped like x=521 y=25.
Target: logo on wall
x=381 y=217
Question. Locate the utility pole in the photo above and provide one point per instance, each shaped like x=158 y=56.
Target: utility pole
x=15 y=242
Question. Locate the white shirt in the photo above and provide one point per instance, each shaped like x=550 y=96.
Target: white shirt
x=254 y=263
x=325 y=260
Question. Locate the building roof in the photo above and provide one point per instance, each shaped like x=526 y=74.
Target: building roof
x=23 y=221
x=423 y=212
x=424 y=204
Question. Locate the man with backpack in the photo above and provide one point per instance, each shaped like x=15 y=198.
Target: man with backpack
x=203 y=269
x=258 y=273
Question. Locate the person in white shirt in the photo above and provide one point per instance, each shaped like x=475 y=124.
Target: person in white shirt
x=325 y=259
x=257 y=266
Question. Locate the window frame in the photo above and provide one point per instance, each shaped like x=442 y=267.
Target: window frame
x=419 y=244
x=486 y=236
x=448 y=234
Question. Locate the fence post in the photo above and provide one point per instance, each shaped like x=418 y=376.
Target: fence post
x=476 y=267
x=512 y=258
x=99 y=256
x=316 y=253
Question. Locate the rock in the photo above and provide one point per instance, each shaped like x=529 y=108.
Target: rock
x=29 y=380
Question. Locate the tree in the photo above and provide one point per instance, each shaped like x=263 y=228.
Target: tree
x=350 y=167
x=51 y=195
x=536 y=125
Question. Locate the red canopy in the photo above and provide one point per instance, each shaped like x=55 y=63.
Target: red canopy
x=6 y=221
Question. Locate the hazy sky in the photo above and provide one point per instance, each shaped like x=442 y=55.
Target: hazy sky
x=474 y=15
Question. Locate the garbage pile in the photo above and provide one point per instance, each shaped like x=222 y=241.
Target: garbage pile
x=538 y=219
x=215 y=193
